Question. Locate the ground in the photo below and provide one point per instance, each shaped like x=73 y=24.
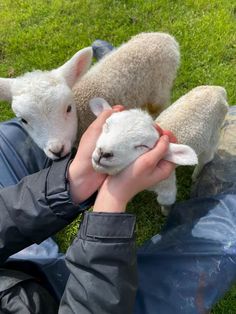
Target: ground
x=43 y=34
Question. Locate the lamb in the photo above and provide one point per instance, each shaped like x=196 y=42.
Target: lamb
x=139 y=73
x=195 y=119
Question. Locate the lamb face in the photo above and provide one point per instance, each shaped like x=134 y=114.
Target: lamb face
x=125 y=136
x=44 y=104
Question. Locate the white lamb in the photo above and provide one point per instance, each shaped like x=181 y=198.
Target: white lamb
x=139 y=73
x=195 y=119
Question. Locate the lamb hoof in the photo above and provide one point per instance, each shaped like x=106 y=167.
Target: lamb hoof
x=195 y=174
x=165 y=210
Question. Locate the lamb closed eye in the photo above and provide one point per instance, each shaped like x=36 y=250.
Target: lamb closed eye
x=141 y=146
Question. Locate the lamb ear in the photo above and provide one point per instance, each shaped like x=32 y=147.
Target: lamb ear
x=181 y=155
x=74 y=68
x=5 y=89
x=98 y=105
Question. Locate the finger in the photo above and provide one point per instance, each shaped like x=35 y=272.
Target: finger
x=118 y=108
x=94 y=130
x=166 y=166
x=101 y=119
x=171 y=136
x=163 y=169
x=97 y=125
x=159 y=129
x=153 y=156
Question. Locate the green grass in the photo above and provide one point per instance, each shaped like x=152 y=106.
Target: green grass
x=42 y=34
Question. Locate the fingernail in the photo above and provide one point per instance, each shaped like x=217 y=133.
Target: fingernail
x=118 y=108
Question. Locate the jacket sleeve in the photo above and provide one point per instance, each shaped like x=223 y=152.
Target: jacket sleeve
x=102 y=265
x=36 y=208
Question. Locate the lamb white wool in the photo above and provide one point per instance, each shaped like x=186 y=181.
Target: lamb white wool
x=195 y=119
x=139 y=73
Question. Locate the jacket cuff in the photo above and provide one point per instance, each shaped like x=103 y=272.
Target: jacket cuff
x=58 y=194
x=107 y=226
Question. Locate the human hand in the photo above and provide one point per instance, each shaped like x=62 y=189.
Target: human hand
x=171 y=136
x=144 y=172
x=84 y=181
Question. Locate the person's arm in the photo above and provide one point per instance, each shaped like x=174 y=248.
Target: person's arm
x=41 y=204
x=36 y=208
x=102 y=265
x=102 y=259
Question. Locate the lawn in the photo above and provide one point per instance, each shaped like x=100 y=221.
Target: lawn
x=42 y=34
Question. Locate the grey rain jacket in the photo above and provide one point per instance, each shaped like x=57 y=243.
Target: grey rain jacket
x=101 y=260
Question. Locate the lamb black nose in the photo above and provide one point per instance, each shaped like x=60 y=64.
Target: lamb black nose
x=107 y=155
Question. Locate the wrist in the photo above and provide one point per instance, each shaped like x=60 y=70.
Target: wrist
x=108 y=202
x=80 y=187
x=109 y=205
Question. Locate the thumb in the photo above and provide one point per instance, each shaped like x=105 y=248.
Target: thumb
x=153 y=156
x=94 y=130
x=100 y=120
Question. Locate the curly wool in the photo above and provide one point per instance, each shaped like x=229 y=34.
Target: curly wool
x=139 y=73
